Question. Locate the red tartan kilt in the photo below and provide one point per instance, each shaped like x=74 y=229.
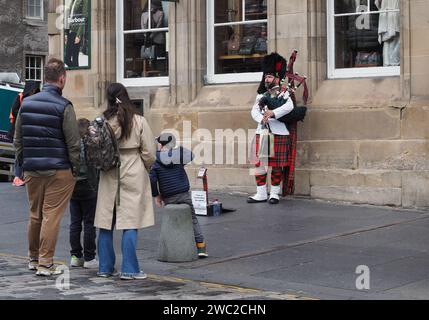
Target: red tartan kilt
x=281 y=148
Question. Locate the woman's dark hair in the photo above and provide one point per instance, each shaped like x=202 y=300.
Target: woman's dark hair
x=119 y=104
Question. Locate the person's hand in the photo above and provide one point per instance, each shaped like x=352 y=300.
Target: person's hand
x=268 y=114
x=159 y=202
x=264 y=120
x=77 y=40
x=92 y=130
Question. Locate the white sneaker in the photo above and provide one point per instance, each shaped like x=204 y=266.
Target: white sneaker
x=47 y=271
x=76 y=262
x=107 y=274
x=139 y=276
x=33 y=264
x=93 y=264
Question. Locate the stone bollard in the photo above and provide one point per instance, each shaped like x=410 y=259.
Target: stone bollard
x=177 y=241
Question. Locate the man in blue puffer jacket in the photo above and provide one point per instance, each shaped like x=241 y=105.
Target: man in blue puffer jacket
x=170 y=183
x=47 y=145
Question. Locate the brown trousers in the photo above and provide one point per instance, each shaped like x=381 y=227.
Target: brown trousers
x=48 y=198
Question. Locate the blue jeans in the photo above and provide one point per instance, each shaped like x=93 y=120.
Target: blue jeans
x=106 y=252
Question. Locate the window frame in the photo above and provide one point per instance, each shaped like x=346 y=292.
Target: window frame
x=212 y=77
x=41 y=17
x=29 y=56
x=342 y=73
x=120 y=55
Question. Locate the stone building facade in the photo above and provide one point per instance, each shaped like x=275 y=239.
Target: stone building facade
x=24 y=37
x=365 y=138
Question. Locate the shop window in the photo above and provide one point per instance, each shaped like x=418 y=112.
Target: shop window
x=35 y=9
x=34 y=68
x=237 y=40
x=363 y=38
x=143 y=42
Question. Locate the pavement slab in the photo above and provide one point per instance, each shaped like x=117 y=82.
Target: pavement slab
x=16 y=282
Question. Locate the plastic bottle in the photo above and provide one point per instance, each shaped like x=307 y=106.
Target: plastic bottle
x=216 y=208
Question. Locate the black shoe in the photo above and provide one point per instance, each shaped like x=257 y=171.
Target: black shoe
x=251 y=200
x=274 y=201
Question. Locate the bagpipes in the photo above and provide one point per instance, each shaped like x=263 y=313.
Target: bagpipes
x=277 y=96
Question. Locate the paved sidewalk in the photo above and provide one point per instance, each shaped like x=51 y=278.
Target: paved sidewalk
x=300 y=248
x=16 y=282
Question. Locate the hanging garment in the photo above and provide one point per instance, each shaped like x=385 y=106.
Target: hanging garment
x=389 y=31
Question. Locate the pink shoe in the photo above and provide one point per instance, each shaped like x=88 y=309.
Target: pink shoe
x=17 y=182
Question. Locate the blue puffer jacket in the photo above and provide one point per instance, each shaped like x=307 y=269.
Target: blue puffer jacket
x=42 y=131
x=168 y=172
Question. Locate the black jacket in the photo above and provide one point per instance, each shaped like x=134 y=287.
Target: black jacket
x=31 y=87
x=87 y=179
x=168 y=172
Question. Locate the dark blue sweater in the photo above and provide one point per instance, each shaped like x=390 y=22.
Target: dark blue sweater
x=168 y=172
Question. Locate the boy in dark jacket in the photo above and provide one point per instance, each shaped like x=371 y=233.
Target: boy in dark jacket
x=82 y=210
x=169 y=175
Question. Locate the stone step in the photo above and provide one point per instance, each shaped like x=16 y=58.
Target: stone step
x=177 y=241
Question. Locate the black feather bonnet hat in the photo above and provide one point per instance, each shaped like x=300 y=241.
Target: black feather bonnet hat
x=273 y=64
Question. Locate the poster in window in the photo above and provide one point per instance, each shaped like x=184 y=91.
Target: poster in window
x=77 y=34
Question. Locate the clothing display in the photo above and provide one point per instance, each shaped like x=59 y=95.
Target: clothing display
x=157 y=20
x=389 y=31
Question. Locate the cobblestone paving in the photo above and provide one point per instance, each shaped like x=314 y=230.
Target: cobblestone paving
x=16 y=282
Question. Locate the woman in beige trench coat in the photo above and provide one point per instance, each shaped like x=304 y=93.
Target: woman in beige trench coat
x=134 y=210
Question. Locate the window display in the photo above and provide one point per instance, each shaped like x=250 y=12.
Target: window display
x=367 y=33
x=240 y=35
x=145 y=38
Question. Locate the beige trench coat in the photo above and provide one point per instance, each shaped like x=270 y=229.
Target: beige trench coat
x=137 y=155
